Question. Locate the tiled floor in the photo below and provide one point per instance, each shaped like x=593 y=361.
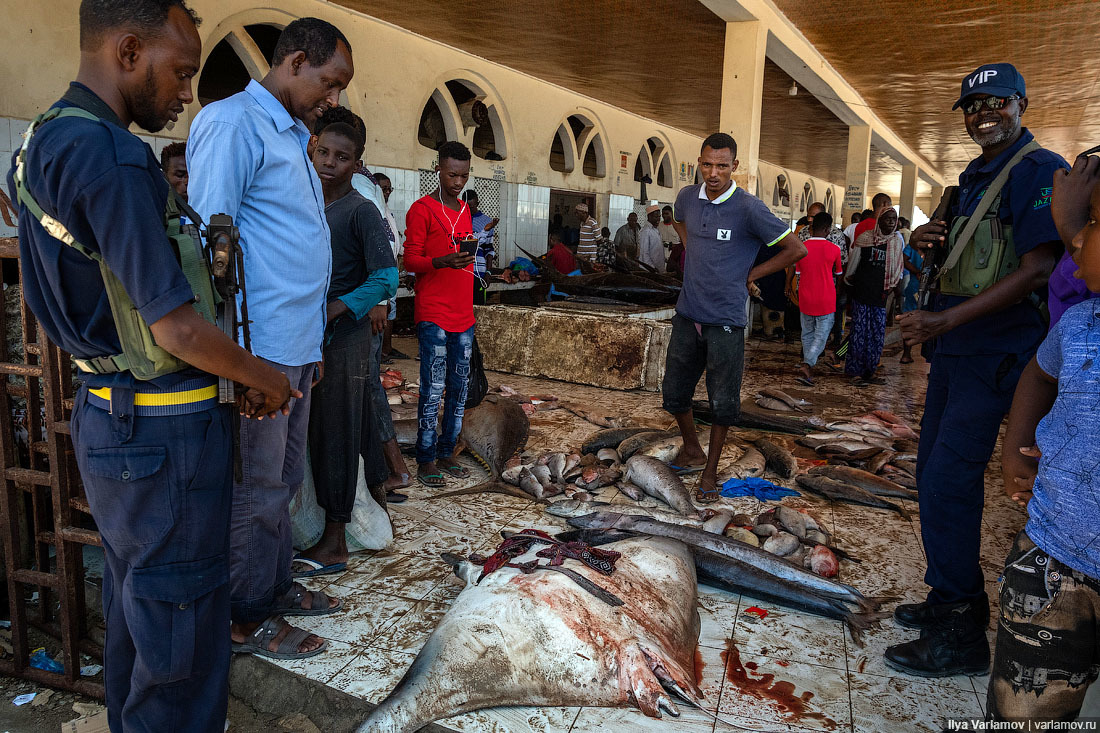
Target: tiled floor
x=764 y=667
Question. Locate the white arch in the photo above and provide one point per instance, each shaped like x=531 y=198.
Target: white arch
x=646 y=162
x=568 y=146
x=499 y=118
x=232 y=29
x=592 y=134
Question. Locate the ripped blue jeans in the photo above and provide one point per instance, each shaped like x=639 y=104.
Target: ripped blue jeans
x=444 y=363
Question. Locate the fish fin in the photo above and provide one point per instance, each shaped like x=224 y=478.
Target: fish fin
x=857 y=623
x=493 y=487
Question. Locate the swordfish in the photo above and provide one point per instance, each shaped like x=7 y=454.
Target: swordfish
x=540 y=639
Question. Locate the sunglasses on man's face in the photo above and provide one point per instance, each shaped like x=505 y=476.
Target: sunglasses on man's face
x=974 y=106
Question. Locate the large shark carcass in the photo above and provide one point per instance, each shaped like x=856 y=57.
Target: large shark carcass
x=547 y=639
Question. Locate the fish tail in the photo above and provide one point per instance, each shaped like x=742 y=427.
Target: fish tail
x=494 y=487
x=857 y=623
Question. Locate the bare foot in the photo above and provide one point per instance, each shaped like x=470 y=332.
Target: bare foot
x=396 y=481
x=689 y=458
x=706 y=491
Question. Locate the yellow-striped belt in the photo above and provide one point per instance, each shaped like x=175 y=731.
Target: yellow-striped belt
x=194 y=395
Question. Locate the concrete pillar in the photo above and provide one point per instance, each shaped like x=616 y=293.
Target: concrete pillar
x=859 y=160
x=742 y=88
x=934 y=200
x=908 y=190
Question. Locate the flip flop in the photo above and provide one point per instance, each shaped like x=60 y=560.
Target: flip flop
x=316 y=568
x=431 y=480
x=805 y=381
x=707 y=496
x=457 y=471
x=685 y=470
x=393 y=497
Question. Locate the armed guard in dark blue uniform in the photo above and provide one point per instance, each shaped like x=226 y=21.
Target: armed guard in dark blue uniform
x=113 y=281
x=992 y=251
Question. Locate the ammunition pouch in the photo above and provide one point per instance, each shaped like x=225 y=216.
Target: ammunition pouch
x=987 y=258
x=141 y=355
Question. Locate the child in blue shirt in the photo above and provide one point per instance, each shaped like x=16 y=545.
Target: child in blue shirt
x=1047 y=653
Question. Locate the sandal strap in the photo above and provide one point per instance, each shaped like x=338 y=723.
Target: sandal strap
x=293 y=639
x=292 y=599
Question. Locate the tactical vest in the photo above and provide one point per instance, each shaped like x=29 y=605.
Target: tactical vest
x=981 y=247
x=140 y=354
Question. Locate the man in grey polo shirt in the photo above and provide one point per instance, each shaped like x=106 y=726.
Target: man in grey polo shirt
x=723 y=228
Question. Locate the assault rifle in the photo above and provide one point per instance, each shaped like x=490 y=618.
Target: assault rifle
x=935 y=257
x=225 y=258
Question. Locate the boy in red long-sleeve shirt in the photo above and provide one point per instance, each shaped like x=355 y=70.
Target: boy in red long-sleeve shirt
x=435 y=227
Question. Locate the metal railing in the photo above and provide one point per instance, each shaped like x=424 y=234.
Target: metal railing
x=43 y=512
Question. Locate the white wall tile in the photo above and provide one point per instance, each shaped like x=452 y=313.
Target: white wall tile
x=5 y=136
x=15 y=135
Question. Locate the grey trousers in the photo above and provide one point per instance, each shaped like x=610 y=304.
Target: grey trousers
x=273 y=467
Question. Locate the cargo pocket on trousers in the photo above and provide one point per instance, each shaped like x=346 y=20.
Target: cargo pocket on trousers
x=129 y=494
x=176 y=617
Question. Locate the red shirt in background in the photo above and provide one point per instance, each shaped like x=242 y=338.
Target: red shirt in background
x=562 y=258
x=816 y=287
x=445 y=296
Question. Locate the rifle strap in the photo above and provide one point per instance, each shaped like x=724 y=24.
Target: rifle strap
x=991 y=194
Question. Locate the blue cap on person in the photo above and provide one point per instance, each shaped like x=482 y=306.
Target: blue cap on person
x=996 y=80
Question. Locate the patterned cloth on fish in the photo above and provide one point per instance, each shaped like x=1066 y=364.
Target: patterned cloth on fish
x=600 y=560
x=866 y=339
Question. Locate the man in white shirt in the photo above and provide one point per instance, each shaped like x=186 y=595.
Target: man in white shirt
x=651 y=251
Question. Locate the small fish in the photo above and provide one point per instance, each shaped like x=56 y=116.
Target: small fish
x=900 y=478
x=875 y=463
x=793 y=521
x=664 y=450
x=791 y=402
x=742 y=535
x=910 y=467
x=838 y=491
x=860 y=427
x=609 y=438
x=659 y=481
x=512 y=474
x=542 y=473
x=782 y=544
x=596 y=418
x=557 y=465
x=631 y=491
x=529 y=483
x=866 y=480
x=770 y=403
x=777 y=458
x=634 y=443
x=717 y=523
x=608 y=456
x=751 y=463
x=849 y=449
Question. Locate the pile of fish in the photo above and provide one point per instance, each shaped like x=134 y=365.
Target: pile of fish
x=741 y=567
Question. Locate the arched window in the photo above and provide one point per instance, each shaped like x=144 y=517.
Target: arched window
x=781 y=195
x=462 y=109
x=577 y=138
x=829 y=200
x=432 y=131
x=807 y=197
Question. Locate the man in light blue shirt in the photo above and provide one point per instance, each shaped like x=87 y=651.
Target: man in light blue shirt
x=246 y=157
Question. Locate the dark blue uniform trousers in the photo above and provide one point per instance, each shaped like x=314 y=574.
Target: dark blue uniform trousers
x=159 y=490
x=967 y=398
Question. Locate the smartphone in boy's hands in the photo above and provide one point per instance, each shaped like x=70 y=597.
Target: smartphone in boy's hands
x=468 y=246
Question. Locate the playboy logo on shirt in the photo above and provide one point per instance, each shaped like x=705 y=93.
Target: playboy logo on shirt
x=724 y=235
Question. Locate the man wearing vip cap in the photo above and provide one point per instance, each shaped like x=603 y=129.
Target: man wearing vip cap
x=1000 y=245
x=650 y=249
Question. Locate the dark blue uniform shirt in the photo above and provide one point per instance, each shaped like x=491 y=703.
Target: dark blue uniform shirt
x=1025 y=204
x=104 y=184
